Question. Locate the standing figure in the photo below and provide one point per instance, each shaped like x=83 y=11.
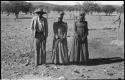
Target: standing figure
x=79 y=49
x=59 y=48
x=40 y=33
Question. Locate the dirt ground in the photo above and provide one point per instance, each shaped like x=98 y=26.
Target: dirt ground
x=17 y=54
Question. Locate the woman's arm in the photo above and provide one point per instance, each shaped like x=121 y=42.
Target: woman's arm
x=86 y=32
x=55 y=30
x=65 y=33
x=75 y=34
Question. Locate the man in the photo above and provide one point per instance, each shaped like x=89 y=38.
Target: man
x=40 y=33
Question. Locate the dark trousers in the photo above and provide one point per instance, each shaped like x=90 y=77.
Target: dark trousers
x=40 y=51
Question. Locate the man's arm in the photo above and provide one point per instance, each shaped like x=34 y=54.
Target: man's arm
x=46 y=28
x=32 y=27
x=32 y=24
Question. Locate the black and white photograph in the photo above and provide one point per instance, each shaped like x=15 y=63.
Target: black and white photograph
x=62 y=40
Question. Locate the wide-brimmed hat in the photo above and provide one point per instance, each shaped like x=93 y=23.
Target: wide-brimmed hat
x=41 y=11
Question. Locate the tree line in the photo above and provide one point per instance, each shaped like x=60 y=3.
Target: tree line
x=88 y=6
x=15 y=7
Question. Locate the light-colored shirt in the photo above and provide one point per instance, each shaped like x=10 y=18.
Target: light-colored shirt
x=39 y=25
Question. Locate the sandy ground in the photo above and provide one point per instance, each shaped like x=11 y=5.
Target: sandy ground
x=17 y=56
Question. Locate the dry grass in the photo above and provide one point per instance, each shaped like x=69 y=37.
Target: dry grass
x=17 y=44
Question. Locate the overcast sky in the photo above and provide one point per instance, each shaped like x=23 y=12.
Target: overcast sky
x=74 y=2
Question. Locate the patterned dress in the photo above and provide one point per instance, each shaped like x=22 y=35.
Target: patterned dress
x=59 y=48
x=79 y=49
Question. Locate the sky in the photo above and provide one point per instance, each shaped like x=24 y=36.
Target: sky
x=75 y=2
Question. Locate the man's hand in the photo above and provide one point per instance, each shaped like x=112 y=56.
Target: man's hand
x=33 y=35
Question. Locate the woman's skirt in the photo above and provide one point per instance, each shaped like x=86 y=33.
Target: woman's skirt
x=79 y=51
x=60 y=52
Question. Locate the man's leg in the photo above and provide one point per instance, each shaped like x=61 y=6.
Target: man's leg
x=37 y=52
x=43 y=52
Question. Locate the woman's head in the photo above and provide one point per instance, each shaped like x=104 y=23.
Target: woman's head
x=60 y=18
x=82 y=16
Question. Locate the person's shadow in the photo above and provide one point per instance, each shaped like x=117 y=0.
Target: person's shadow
x=96 y=61
x=99 y=61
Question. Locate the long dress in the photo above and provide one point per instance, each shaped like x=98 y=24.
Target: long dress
x=59 y=48
x=79 y=49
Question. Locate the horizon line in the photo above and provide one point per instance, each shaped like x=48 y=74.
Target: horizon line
x=75 y=2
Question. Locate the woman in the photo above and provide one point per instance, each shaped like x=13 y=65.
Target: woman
x=79 y=50
x=59 y=48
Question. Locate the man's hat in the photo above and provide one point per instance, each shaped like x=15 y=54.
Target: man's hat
x=39 y=11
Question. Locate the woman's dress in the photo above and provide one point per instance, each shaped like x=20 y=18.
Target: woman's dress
x=59 y=48
x=79 y=49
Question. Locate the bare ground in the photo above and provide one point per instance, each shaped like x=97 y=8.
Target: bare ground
x=17 y=54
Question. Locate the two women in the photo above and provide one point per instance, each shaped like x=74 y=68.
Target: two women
x=79 y=50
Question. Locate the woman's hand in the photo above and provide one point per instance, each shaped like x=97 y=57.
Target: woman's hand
x=75 y=35
x=56 y=37
x=83 y=38
x=61 y=37
x=33 y=35
x=64 y=36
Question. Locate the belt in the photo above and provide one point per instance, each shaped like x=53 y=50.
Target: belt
x=39 y=32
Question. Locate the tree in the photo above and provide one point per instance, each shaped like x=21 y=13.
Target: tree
x=86 y=6
x=108 y=9
x=97 y=8
x=121 y=8
x=26 y=7
x=90 y=7
x=16 y=6
x=2 y=6
x=70 y=9
x=58 y=8
x=6 y=7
